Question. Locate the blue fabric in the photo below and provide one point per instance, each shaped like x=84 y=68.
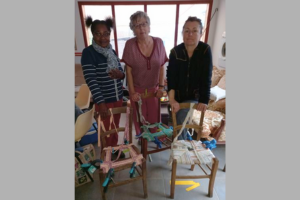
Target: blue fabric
x=210 y=144
x=189 y=137
x=157 y=142
x=91 y=138
x=79 y=149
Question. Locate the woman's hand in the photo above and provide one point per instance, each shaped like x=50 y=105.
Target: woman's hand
x=201 y=107
x=116 y=74
x=174 y=105
x=103 y=111
x=135 y=96
x=159 y=93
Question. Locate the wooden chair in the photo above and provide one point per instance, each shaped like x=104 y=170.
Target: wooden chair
x=213 y=169
x=142 y=175
x=83 y=97
x=145 y=149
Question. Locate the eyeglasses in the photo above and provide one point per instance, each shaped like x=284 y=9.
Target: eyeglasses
x=140 y=25
x=187 y=31
x=105 y=34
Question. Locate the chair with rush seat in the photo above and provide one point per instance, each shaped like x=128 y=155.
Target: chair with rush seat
x=191 y=152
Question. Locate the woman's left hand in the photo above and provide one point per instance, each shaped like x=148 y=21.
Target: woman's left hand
x=159 y=93
x=201 y=107
x=116 y=74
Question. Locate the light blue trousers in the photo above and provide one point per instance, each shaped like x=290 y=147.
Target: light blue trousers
x=180 y=117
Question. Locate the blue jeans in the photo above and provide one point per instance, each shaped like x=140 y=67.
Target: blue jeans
x=180 y=117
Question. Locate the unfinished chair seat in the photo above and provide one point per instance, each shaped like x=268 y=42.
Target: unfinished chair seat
x=134 y=160
x=135 y=157
x=185 y=152
x=162 y=138
x=191 y=152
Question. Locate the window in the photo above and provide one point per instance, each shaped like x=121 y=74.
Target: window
x=167 y=19
x=195 y=10
x=124 y=33
x=163 y=25
x=97 y=12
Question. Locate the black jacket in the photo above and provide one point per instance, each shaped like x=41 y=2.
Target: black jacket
x=190 y=77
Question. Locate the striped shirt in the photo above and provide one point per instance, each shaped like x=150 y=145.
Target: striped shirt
x=103 y=88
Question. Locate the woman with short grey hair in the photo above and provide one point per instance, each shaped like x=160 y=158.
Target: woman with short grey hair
x=135 y=16
x=144 y=56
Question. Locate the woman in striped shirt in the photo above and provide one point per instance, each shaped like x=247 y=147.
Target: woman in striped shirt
x=103 y=73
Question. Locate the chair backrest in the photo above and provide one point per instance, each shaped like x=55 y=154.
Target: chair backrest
x=83 y=97
x=116 y=110
x=198 y=128
x=83 y=124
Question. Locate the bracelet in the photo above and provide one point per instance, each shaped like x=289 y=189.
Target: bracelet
x=161 y=86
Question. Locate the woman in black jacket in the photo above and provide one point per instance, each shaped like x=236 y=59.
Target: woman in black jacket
x=189 y=71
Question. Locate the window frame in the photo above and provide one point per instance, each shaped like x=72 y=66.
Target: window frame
x=81 y=4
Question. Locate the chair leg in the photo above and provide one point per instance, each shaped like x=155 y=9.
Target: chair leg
x=173 y=178
x=213 y=177
x=192 y=167
x=144 y=148
x=144 y=179
x=224 y=169
x=101 y=179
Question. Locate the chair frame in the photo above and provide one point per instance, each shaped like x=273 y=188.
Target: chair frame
x=213 y=169
x=142 y=175
x=144 y=142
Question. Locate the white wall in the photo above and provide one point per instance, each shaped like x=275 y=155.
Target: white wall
x=216 y=25
x=212 y=28
x=220 y=28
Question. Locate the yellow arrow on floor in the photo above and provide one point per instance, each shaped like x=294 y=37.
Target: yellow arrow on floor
x=194 y=184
